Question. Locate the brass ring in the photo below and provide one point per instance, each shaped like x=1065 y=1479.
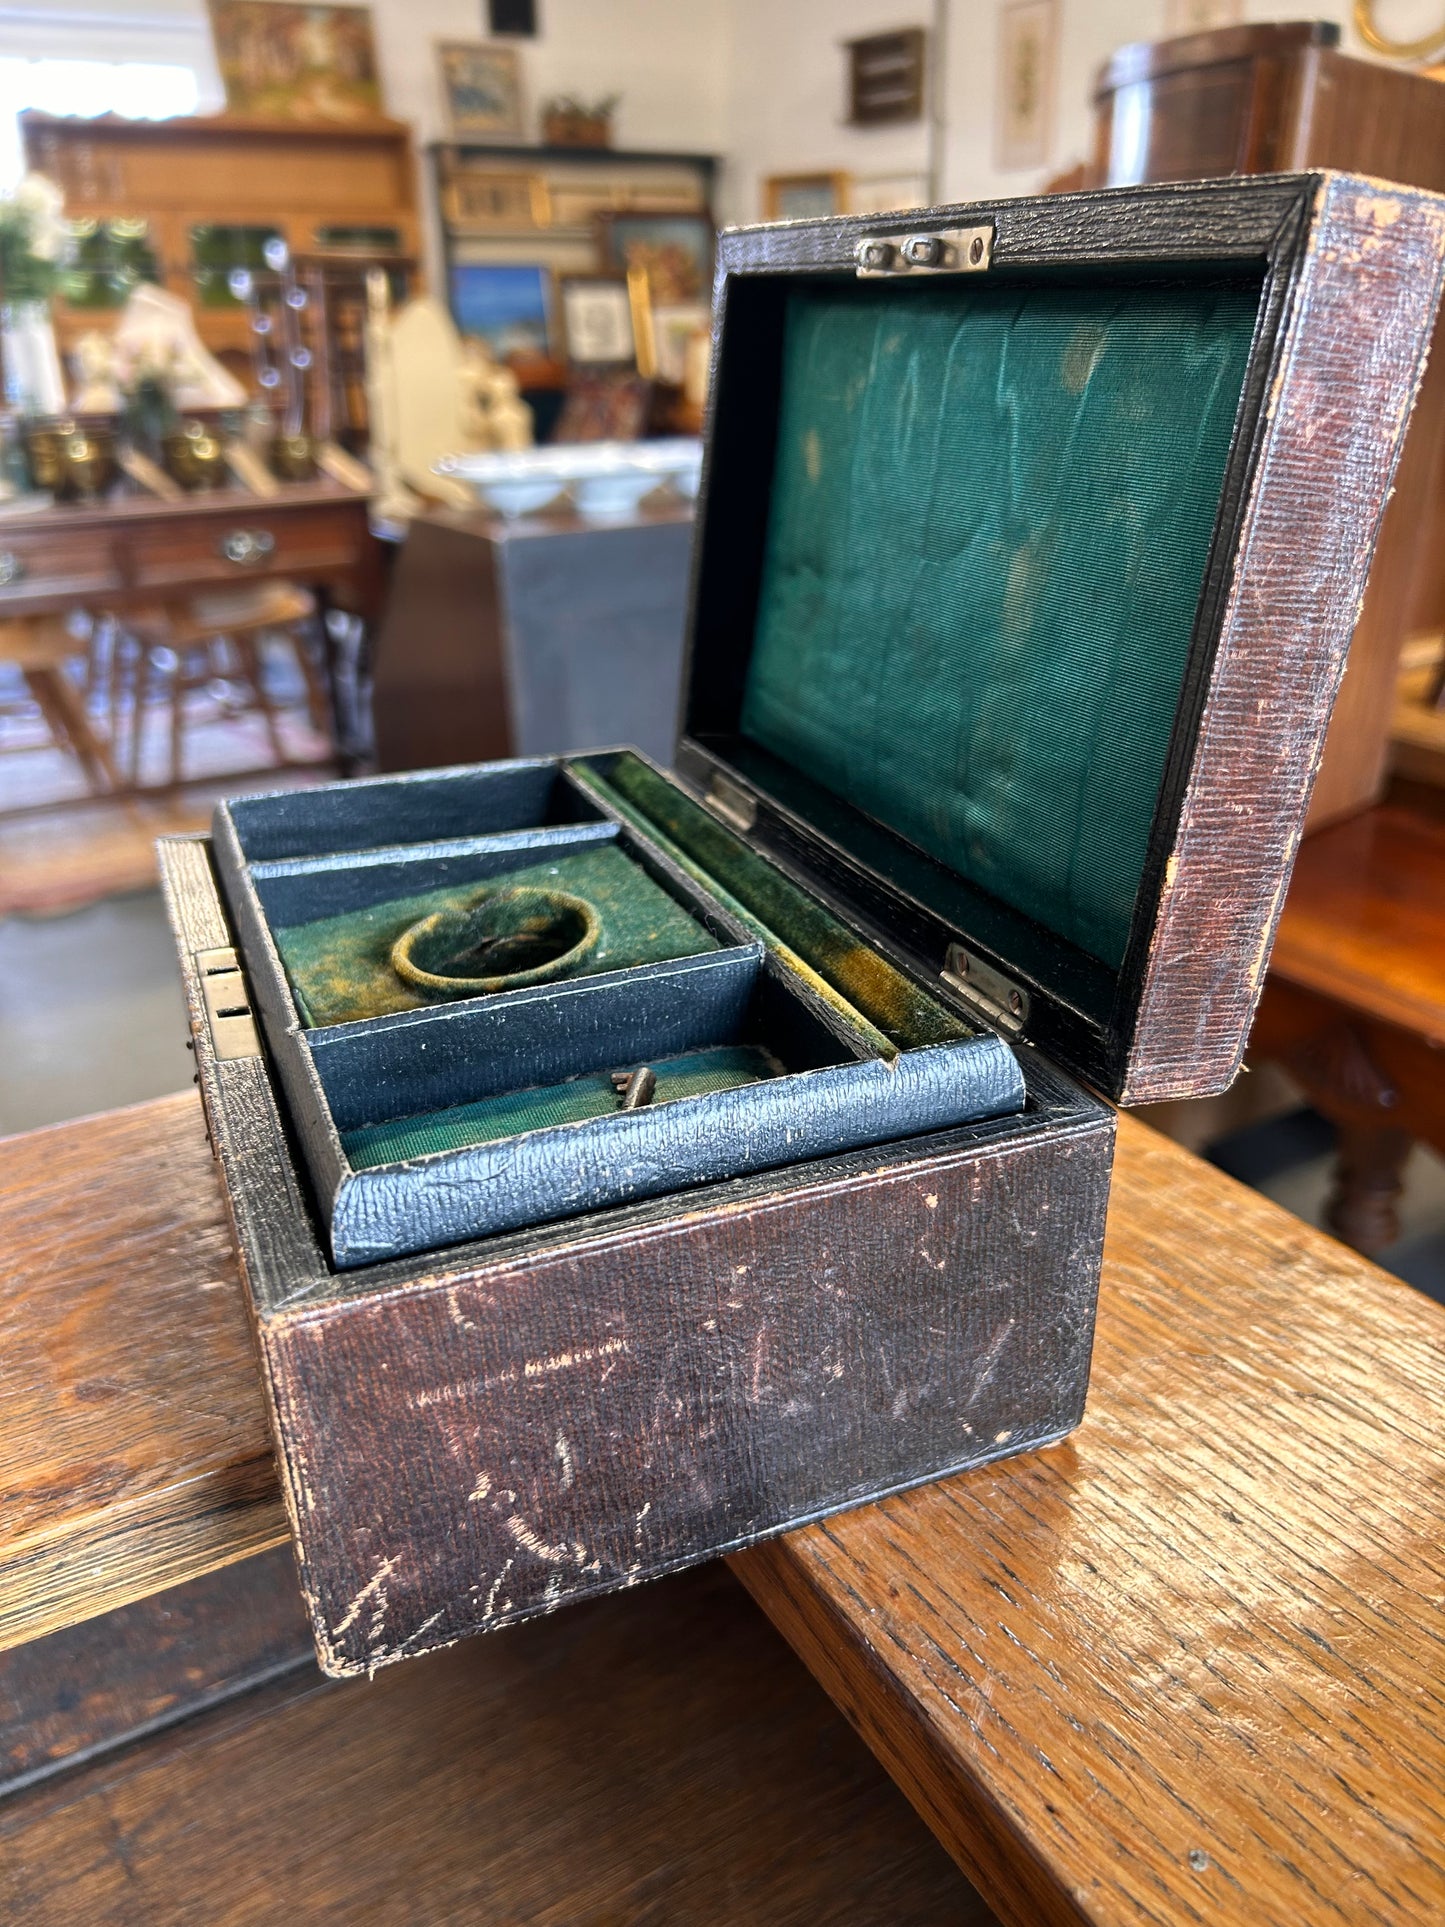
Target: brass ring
x=557 y=930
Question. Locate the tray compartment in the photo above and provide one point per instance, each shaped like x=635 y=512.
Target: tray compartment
x=432 y=806
x=476 y=1118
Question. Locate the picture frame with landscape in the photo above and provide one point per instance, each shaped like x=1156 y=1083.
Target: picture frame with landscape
x=481 y=90
x=505 y=304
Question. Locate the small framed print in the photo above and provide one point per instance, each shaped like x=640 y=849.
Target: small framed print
x=597 y=320
x=803 y=197
x=1028 y=81
x=481 y=90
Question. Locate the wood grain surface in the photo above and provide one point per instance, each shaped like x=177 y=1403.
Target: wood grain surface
x=90 y=1688
x=1186 y=1666
x=136 y=1452
x=652 y=1759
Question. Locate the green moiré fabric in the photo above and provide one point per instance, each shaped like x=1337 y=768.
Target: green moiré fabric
x=720 y=1069
x=990 y=517
x=340 y=967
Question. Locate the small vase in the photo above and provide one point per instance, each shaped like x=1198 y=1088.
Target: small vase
x=34 y=383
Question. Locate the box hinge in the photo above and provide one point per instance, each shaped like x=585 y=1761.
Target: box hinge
x=986 y=991
x=953 y=250
x=732 y=803
x=228 y=1005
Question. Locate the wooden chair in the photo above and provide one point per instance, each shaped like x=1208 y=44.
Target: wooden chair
x=183 y=647
x=40 y=647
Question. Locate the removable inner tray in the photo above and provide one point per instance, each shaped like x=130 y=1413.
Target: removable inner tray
x=439 y=1091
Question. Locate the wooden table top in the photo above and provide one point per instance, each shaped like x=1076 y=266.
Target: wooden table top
x=1364 y=922
x=1185 y=1666
x=123 y=508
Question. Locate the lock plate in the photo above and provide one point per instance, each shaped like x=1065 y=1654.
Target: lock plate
x=228 y=1005
x=955 y=250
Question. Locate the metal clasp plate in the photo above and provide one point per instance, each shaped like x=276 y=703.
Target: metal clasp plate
x=731 y=802
x=228 y=1004
x=987 y=991
x=955 y=250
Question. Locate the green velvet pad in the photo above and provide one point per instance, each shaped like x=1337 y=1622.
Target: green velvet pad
x=340 y=967
x=691 y=1075
x=991 y=513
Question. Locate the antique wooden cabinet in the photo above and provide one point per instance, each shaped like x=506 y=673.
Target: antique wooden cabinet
x=1282 y=95
x=1030 y=541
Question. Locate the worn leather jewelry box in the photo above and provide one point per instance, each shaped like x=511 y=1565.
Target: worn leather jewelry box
x=625 y=1164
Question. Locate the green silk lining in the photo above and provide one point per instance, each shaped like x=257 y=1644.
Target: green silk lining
x=990 y=518
x=722 y=1068
x=340 y=967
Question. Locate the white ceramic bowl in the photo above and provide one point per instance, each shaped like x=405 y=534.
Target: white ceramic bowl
x=605 y=479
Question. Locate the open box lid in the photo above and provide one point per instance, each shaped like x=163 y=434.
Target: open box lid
x=1031 y=539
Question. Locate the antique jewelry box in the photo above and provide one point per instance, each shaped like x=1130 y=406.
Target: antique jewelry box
x=627 y=1164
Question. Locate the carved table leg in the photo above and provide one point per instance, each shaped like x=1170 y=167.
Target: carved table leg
x=1368 y=1180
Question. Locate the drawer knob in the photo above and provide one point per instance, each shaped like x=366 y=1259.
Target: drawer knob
x=247 y=546
x=11 y=568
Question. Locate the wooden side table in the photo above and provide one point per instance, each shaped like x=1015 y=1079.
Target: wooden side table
x=1354 y=1004
x=135 y=551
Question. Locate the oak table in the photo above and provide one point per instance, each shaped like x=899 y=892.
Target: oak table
x=1185 y=1666
x=1354 y=1004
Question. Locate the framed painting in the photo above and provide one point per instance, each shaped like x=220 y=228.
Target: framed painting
x=596 y=311
x=508 y=305
x=481 y=90
x=671 y=251
x=803 y=197
x=286 y=61
x=1028 y=45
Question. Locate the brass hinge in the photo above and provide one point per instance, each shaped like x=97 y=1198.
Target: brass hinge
x=987 y=992
x=228 y=1005
x=954 y=250
x=731 y=802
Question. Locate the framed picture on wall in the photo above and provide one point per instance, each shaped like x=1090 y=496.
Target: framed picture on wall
x=1027 y=82
x=671 y=251
x=508 y=305
x=596 y=312
x=803 y=197
x=481 y=90
x=482 y=200
x=281 y=61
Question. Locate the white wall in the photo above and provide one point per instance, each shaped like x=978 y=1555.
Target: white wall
x=788 y=94
x=668 y=59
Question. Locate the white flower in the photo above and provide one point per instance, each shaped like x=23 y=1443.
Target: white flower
x=42 y=204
